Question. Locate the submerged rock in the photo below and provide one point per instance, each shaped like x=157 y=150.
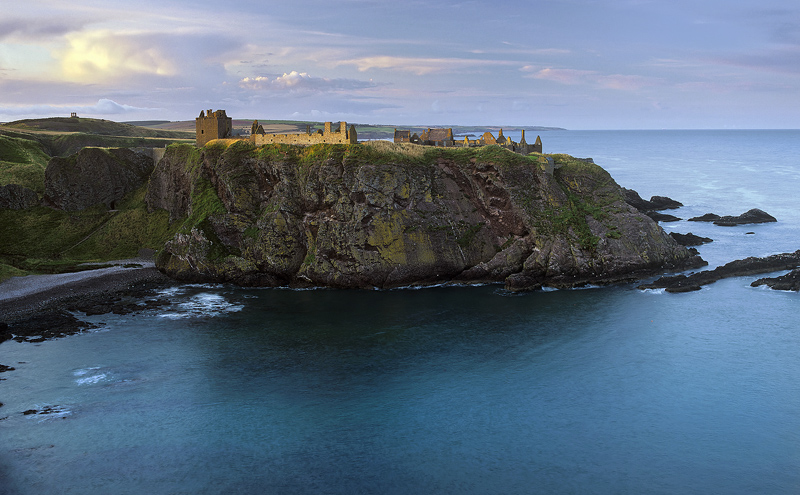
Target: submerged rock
x=47 y=325
x=751 y=216
x=387 y=216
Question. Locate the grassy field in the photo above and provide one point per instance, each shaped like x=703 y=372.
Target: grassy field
x=26 y=146
x=95 y=126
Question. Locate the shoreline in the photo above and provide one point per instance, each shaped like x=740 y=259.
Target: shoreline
x=32 y=295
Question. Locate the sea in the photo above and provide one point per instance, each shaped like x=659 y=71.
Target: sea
x=446 y=390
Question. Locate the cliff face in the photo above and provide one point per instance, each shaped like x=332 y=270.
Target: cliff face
x=94 y=175
x=386 y=216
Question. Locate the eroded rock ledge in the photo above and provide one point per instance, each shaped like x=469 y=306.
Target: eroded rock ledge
x=750 y=216
x=387 y=216
x=738 y=268
x=790 y=281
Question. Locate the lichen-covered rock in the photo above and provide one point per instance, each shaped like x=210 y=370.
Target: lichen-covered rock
x=386 y=216
x=93 y=176
x=16 y=197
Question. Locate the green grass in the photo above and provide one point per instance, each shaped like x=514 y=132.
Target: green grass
x=43 y=240
x=95 y=126
x=8 y=271
x=22 y=161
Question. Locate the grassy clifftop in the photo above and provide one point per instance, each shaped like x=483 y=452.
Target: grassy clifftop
x=95 y=126
x=26 y=146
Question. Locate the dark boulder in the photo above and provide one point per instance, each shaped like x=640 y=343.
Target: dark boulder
x=16 y=197
x=790 y=281
x=94 y=175
x=751 y=216
x=708 y=217
x=664 y=203
x=690 y=239
x=661 y=217
x=47 y=325
x=656 y=202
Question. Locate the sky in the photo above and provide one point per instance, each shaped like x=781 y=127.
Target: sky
x=577 y=64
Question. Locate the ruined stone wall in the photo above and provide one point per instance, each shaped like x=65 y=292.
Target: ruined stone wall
x=339 y=136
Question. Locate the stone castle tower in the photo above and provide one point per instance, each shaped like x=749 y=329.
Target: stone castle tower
x=214 y=125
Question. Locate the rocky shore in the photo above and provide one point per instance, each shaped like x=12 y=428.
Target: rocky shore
x=39 y=307
x=738 y=268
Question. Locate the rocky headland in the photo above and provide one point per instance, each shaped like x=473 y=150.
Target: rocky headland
x=382 y=216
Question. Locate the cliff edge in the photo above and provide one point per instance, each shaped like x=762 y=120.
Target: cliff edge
x=384 y=215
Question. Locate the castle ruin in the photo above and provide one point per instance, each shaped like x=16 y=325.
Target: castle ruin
x=214 y=125
x=341 y=135
x=443 y=137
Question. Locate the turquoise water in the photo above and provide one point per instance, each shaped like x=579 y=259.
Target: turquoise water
x=448 y=389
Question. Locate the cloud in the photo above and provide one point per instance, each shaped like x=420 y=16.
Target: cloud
x=102 y=54
x=418 y=66
x=26 y=30
x=103 y=106
x=105 y=55
x=563 y=76
x=577 y=76
x=300 y=82
x=783 y=60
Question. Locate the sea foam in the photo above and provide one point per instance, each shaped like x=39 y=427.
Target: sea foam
x=204 y=304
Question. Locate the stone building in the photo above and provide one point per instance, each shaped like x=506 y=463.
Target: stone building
x=214 y=125
x=438 y=137
x=444 y=137
x=342 y=135
x=402 y=136
x=406 y=137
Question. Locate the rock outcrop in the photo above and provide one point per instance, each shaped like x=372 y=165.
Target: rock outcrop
x=652 y=208
x=388 y=216
x=738 y=268
x=790 y=281
x=690 y=239
x=16 y=197
x=751 y=216
x=94 y=175
x=662 y=217
x=656 y=203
